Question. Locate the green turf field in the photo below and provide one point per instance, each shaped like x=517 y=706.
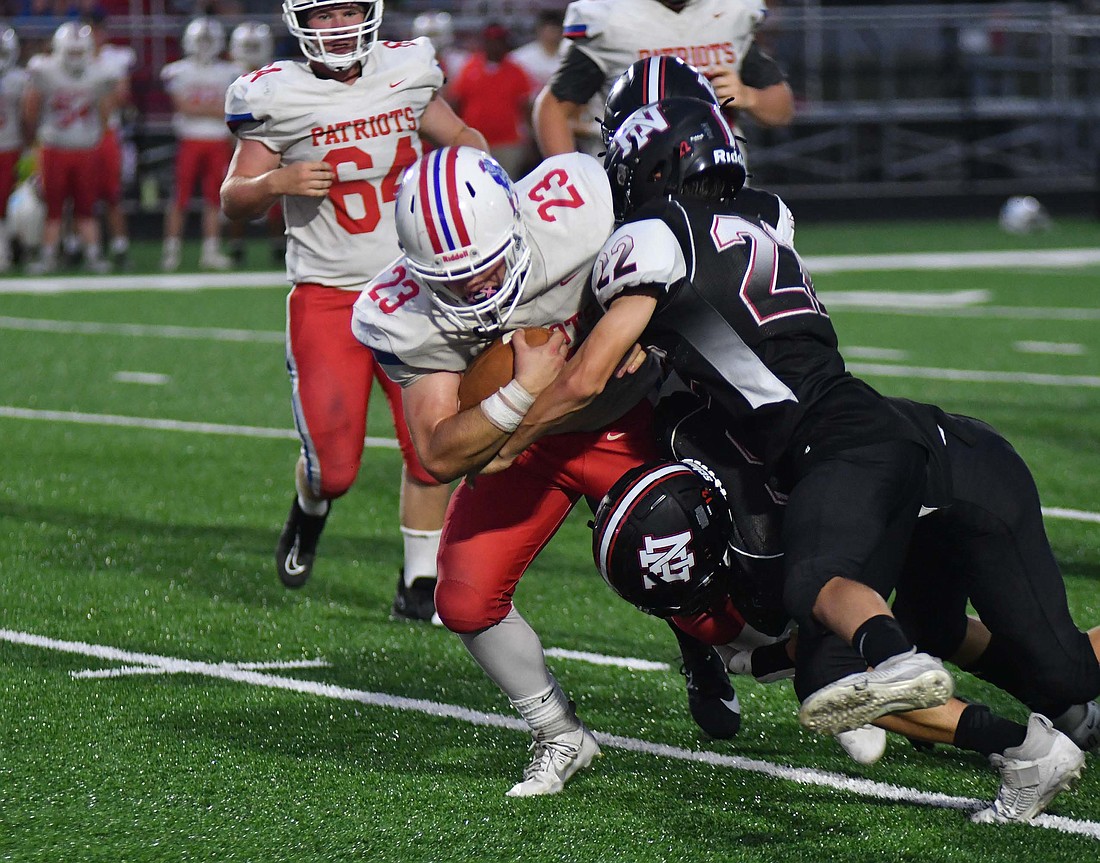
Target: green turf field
x=164 y=698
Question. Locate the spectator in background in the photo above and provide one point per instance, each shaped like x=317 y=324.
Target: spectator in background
x=197 y=85
x=715 y=36
x=114 y=152
x=539 y=59
x=492 y=94
x=13 y=81
x=66 y=106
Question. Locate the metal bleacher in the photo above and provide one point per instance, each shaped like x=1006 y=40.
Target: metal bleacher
x=895 y=101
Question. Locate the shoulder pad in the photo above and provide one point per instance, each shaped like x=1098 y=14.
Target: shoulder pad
x=637 y=254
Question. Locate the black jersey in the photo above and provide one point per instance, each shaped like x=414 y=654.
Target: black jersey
x=738 y=319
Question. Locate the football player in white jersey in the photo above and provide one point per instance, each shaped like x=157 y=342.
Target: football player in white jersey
x=252 y=47
x=714 y=36
x=197 y=85
x=331 y=137
x=13 y=82
x=116 y=155
x=483 y=256
x=66 y=104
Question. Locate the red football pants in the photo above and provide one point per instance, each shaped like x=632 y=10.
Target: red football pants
x=495 y=527
x=330 y=375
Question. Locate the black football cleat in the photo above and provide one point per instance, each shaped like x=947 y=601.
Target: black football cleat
x=711 y=699
x=298 y=545
x=416 y=602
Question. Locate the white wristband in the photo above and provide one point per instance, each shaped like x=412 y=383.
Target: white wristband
x=507 y=406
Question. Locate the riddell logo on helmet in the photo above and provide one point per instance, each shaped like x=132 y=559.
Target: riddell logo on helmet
x=451 y=257
x=666 y=559
x=728 y=157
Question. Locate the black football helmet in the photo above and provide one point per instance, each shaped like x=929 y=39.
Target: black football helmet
x=660 y=537
x=651 y=80
x=661 y=146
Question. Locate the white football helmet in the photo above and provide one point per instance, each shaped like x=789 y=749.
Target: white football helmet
x=1023 y=215
x=457 y=217
x=26 y=214
x=9 y=47
x=74 y=46
x=204 y=39
x=315 y=42
x=437 y=26
x=251 y=45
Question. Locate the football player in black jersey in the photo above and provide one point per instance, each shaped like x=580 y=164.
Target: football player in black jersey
x=703 y=274
x=988 y=546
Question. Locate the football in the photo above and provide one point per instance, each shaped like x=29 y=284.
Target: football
x=493 y=368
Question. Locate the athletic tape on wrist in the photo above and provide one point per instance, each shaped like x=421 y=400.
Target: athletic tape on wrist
x=507 y=406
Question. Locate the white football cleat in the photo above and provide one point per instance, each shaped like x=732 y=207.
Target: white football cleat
x=554 y=761
x=864 y=745
x=908 y=681
x=1032 y=774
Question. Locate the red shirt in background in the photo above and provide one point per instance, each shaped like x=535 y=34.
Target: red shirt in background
x=492 y=98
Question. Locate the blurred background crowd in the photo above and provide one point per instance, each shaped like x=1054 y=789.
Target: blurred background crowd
x=901 y=109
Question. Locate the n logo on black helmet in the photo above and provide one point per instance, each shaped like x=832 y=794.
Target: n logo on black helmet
x=642 y=125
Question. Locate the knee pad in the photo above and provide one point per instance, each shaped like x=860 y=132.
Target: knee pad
x=465 y=609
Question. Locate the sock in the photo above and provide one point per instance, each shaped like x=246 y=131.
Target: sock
x=1070 y=719
x=771 y=663
x=171 y=245
x=879 y=638
x=210 y=246
x=120 y=245
x=549 y=712
x=49 y=253
x=312 y=507
x=983 y=731
x=91 y=252
x=421 y=548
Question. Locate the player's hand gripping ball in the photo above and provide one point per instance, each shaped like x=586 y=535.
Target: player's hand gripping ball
x=494 y=367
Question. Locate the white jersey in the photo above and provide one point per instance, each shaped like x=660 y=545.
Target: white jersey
x=188 y=80
x=538 y=65
x=565 y=205
x=119 y=61
x=12 y=84
x=69 y=118
x=706 y=33
x=368 y=131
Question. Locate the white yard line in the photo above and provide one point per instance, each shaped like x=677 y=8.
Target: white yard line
x=1046 y=258
x=975 y=376
x=1064 y=349
x=801 y=775
x=289 y=434
x=91 y=328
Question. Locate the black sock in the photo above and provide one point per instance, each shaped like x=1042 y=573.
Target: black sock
x=880 y=638
x=981 y=730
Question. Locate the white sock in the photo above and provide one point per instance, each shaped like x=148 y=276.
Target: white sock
x=171 y=245
x=421 y=548
x=312 y=507
x=91 y=252
x=548 y=712
x=210 y=246
x=120 y=245
x=1073 y=717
